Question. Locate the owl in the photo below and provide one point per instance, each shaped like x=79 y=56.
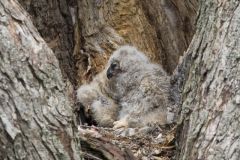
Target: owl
x=94 y=98
x=140 y=87
x=131 y=92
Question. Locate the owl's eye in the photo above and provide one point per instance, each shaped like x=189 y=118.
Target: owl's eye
x=113 y=69
x=114 y=66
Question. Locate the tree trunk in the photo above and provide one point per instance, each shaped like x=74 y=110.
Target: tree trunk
x=36 y=120
x=54 y=21
x=35 y=113
x=36 y=101
x=211 y=95
x=162 y=29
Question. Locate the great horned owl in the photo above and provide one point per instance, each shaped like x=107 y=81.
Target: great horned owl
x=140 y=87
x=93 y=97
x=130 y=92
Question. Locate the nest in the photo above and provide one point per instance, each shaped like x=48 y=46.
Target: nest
x=106 y=143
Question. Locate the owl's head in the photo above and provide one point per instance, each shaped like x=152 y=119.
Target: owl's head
x=124 y=59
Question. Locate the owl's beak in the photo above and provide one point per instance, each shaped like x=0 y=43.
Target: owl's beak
x=109 y=73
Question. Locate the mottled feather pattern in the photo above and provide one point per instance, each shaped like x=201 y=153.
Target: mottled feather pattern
x=137 y=91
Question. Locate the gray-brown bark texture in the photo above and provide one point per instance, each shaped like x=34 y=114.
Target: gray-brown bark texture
x=211 y=95
x=35 y=113
x=36 y=120
x=162 y=29
x=36 y=105
x=54 y=21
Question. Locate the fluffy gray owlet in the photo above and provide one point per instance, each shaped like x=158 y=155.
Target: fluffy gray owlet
x=140 y=87
x=93 y=97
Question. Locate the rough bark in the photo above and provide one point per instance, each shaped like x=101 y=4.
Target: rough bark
x=35 y=112
x=54 y=21
x=211 y=93
x=174 y=24
x=162 y=29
